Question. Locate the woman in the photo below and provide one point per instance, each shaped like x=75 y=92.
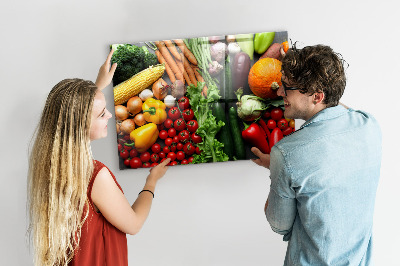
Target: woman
x=78 y=212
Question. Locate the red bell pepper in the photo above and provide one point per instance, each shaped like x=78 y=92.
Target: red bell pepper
x=276 y=135
x=254 y=135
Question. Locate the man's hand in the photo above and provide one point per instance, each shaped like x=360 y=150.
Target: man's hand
x=106 y=74
x=263 y=158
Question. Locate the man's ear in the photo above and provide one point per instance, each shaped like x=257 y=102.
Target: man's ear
x=318 y=97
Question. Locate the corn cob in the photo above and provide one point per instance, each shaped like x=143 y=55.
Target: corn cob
x=136 y=84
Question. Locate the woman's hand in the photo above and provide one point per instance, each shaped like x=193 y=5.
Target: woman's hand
x=106 y=74
x=158 y=171
x=263 y=158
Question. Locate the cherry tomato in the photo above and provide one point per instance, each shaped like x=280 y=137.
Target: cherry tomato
x=192 y=126
x=196 y=138
x=127 y=162
x=173 y=147
x=276 y=113
x=154 y=157
x=190 y=160
x=184 y=136
x=271 y=124
x=179 y=124
x=287 y=131
x=198 y=151
x=127 y=147
x=119 y=147
x=162 y=154
x=184 y=161
x=188 y=114
x=172 y=155
x=145 y=157
x=174 y=113
x=267 y=114
x=156 y=148
x=135 y=163
x=163 y=134
x=183 y=103
x=124 y=154
x=180 y=155
x=179 y=146
x=133 y=153
x=168 y=141
x=172 y=132
x=168 y=123
x=189 y=149
x=292 y=123
x=175 y=139
x=146 y=165
x=282 y=123
x=166 y=150
x=172 y=163
x=153 y=164
x=160 y=126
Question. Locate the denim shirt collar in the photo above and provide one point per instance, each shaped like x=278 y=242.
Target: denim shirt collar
x=326 y=114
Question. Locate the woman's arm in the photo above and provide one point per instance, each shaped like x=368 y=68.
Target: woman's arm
x=114 y=206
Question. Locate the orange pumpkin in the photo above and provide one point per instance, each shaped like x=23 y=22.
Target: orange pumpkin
x=265 y=78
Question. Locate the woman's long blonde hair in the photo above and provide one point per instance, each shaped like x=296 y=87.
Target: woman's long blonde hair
x=60 y=168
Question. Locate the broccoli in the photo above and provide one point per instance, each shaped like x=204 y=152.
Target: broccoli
x=130 y=60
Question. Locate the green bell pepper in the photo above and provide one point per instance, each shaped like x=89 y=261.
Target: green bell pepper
x=262 y=41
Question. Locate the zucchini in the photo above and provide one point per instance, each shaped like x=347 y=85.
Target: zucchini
x=224 y=134
x=239 y=148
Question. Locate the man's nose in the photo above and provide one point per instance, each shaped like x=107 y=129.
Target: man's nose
x=280 y=91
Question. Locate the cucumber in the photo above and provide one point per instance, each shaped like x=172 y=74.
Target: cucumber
x=224 y=134
x=239 y=147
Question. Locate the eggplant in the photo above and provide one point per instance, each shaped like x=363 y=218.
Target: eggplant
x=240 y=70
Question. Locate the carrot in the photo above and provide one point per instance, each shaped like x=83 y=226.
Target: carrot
x=200 y=78
x=188 y=69
x=185 y=74
x=186 y=51
x=170 y=61
x=167 y=67
x=171 y=47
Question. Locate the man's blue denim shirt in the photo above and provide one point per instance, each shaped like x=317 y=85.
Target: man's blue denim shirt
x=324 y=178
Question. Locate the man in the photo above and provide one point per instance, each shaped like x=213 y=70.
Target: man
x=323 y=176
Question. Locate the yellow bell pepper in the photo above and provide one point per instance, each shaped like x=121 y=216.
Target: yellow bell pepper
x=144 y=136
x=154 y=111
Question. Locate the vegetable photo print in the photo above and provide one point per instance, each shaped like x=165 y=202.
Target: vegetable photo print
x=198 y=100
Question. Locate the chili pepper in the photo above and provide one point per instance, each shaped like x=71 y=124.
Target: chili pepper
x=262 y=41
x=276 y=135
x=254 y=135
x=144 y=136
x=264 y=126
x=154 y=111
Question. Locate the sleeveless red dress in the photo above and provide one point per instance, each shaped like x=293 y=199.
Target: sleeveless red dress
x=101 y=243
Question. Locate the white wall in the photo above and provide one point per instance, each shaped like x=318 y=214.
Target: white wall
x=205 y=214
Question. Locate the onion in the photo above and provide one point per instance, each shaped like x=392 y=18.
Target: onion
x=134 y=105
x=139 y=120
x=146 y=94
x=214 y=39
x=169 y=101
x=230 y=38
x=121 y=112
x=118 y=128
x=127 y=126
x=160 y=89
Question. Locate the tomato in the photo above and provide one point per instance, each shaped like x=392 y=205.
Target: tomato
x=172 y=132
x=196 y=138
x=127 y=162
x=190 y=160
x=192 y=126
x=184 y=136
x=135 y=163
x=160 y=126
x=172 y=155
x=173 y=147
x=287 y=131
x=133 y=153
x=266 y=114
x=119 y=147
x=175 y=139
x=282 y=123
x=124 y=154
x=163 y=134
x=198 y=151
x=183 y=103
x=154 y=157
x=168 y=123
x=189 y=149
x=126 y=147
x=156 y=148
x=172 y=163
x=162 y=154
x=184 y=161
x=179 y=146
x=188 y=114
x=145 y=157
x=292 y=123
x=166 y=150
x=168 y=141
x=153 y=164
x=271 y=124
x=180 y=155
x=179 y=124
x=276 y=113
x=146 y=165
x=174 y=113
